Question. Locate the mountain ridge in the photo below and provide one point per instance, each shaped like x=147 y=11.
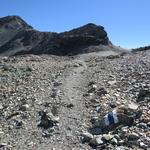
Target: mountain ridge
x=17 y=38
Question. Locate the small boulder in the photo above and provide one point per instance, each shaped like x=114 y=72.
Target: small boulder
x=96 y=140
x=48 y=120
x=101 y=92
x=87 y=136
x=143 y=145
x=133 y=106
x=114 y=141
x=142 y=125
x=107 y=137
x=133 y=136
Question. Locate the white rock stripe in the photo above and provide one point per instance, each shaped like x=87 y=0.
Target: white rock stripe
x=106 y=120
x=115 y=116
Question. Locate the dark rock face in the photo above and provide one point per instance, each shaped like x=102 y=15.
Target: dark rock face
x=17 y=37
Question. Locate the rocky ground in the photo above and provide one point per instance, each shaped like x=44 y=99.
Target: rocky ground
x=48 y=102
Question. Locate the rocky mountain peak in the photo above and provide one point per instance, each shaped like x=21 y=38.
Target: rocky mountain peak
x=89 y=28
x=13 y=22
x=17 y=37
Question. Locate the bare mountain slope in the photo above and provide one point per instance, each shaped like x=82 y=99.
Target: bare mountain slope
x=17 y=37
x=72 y=89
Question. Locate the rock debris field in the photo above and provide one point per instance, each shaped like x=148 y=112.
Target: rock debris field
x=51 y=103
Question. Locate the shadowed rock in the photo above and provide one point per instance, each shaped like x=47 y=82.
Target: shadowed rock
x=17 y=38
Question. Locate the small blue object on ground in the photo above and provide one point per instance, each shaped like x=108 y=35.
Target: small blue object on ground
x=111 y=118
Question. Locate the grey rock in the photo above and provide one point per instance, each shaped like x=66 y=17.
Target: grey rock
x=91 y=90
x=113 y=104
x=112 y=82
x=71 y=105
x=98 y=109
x=97 y=140
x=87 y=136
x=101 y=92
x=133 y=136
x=2 y=145
x=122 y=148
x=148 y=124
x=124 y=130
x=147 y=139
x=142 y=125
x=132 y=143
x=49 y=132
x=48 y=120
x=57 y=83
x=143 y=94
x=76 y=65
x=1 y=106
x=121 y=142
x=114 y=141
x=18 y=124
x=143 y=145
x=24 y=107
x=53 y=118
x=107 y=137
x=94 y=86
x=117 y=137
x=133 y=106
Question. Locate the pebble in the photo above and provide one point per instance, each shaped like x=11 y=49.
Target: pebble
x=111 y=82
x=94 y=86
x=76 y=65
x=24 y=107
x=122 y=148
x=121 y=142
x=1 y=106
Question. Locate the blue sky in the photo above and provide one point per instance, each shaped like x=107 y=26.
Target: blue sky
x=126 y=21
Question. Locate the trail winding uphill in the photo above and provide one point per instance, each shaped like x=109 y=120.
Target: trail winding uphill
x=73 y=112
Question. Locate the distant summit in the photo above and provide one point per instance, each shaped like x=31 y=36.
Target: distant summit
x=17 y=38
